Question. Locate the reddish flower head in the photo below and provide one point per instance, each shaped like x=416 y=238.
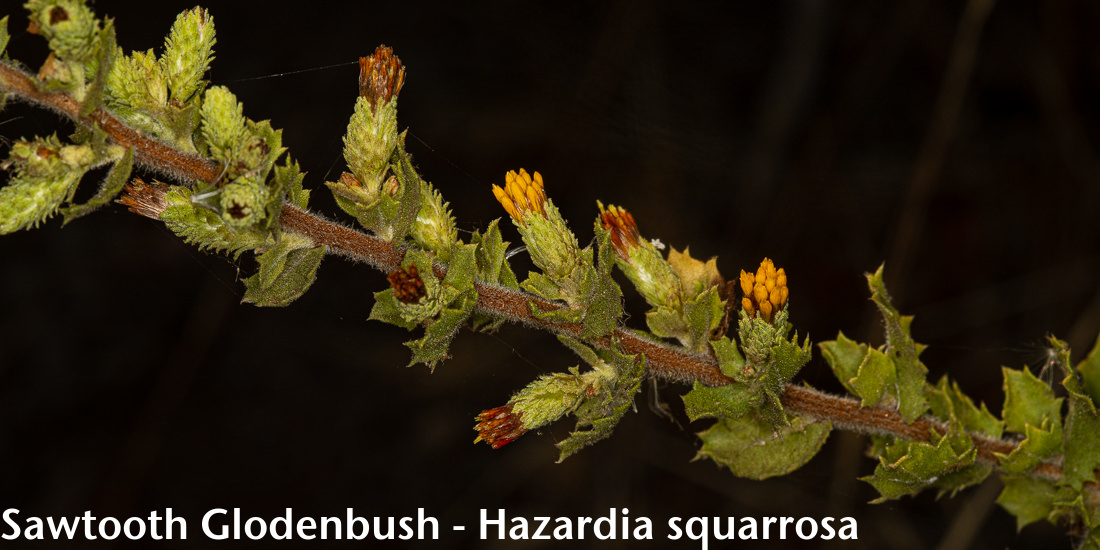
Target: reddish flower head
x=624 y=231
x=381 y=76
x=500 y=426
x=407 y=285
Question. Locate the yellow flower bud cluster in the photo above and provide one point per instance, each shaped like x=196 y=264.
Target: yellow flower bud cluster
x=765 y=291
x=521 y=194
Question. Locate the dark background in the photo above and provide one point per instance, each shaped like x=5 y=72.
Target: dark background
x=957 y=147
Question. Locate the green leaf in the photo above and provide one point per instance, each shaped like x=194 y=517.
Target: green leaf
x=729 y=357
x=1082 y=433
x=4 y=36
x=1029 y=498
x=876 y=378
x=666 y=322
x=703 y=313
x=1028 y=400
x=105 y=57
x=844 y=357
x=907 y=467
x=287 y=180
x=729 y=401
x=1089 y=369
x=1040 y=444
x=110 y=188
x=433 y=347
x=950 y=404
x=603 y=300
x=285 y=274
x=598 y=416
x=753 y=447
x=410 y=201
x=787 y=358
x=902 y=350
x=492 y=251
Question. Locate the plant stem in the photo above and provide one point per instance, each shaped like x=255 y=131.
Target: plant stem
x=663 y=360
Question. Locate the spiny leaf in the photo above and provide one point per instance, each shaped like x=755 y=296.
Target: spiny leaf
x=703 y=313
x=730 y=360
x=105 y=58
x=907 y=467
x=949 y=403
x=1040 y=444
x=1029 y=499
x=603 y=297
x=753 y=447
x=410 y=201
x=844 y=357
x=877 y=377
x=492 y=250
x=1082 y=426
x=1028 y=400
x=903 y=350
x=1089 y=369
x=598 y=416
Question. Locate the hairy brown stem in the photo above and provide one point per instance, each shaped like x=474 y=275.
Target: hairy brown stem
x=670 y=362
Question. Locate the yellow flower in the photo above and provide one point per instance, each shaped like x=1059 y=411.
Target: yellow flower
x=765 y=291
x=521 y=195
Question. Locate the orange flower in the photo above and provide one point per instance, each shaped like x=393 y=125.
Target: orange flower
x=765 y=291
x=521 y=195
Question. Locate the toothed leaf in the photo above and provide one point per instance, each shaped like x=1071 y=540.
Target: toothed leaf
x=755 y=448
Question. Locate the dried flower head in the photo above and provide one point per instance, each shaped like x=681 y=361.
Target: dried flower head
x=765 y=291
x=500 y=426
x=143 y=198
x=407 y=285
x=381 y=76
x=521 y=195
x=624 y=231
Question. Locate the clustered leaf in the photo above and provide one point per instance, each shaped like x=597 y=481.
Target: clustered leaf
x=598 y=415
x=908 y=467
x=447 y=303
